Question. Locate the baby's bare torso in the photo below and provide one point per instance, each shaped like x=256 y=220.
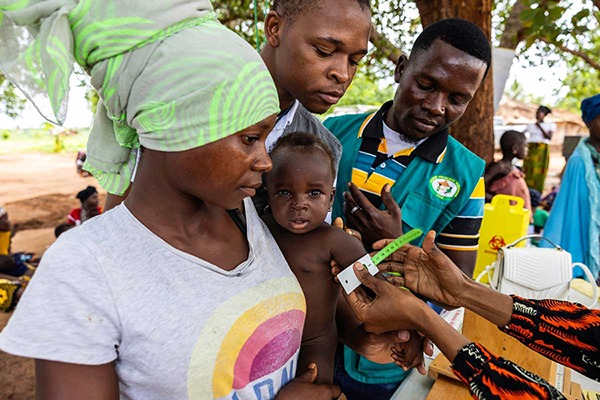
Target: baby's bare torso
x=309 y=256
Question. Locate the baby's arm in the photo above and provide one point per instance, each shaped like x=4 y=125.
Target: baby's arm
x=345 y=249
x=320 y=337
x=345 y=252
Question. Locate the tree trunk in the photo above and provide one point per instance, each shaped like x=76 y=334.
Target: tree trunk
x=514 y=31
x=475 y=129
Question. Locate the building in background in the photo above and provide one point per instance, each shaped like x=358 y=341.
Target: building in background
x=516 y=115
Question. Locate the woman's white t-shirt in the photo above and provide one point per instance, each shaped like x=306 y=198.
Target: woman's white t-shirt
x=537 y=136
x=177 y=327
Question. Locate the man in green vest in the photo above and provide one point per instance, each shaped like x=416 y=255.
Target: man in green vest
x=402 y=158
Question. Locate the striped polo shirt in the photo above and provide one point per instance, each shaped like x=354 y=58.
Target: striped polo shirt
x=374 y=168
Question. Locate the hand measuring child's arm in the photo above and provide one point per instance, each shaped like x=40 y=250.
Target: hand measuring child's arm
x=411 y=350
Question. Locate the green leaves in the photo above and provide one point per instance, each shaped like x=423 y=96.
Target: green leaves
x=528 y=15
x=366 y=91
x=579 y=85
x=11 y=103
x=577 y=18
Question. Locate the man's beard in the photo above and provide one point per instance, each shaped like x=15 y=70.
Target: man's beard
x=408 y=139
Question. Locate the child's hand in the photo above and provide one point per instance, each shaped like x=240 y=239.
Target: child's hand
x=410 y=354
x=335 y=270
x=339 y=223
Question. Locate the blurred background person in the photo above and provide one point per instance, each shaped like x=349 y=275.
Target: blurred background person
x=574 y=222
x=89 y=207
x=503 y=177
x=538 y=158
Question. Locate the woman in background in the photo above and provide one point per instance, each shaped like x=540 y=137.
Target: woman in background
x=574 y=221
x=538 y=159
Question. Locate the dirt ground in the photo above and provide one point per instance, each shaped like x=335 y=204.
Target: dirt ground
x=38 y=191
x=16 y=374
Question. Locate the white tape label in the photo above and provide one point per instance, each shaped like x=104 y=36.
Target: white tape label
x=348 y=278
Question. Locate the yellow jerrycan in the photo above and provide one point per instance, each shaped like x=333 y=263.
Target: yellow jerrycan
x=503 y=223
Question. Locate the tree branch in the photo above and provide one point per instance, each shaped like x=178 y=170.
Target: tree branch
x=597 y=3
x=513 y=28
x=579 y=54
x=385 y=46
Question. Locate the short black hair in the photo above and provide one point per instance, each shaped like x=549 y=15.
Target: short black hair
x=304 y=143
x=510 y=138
x=545 y=110
x=86 y=193
x=292 y=8
x=62 y=228
x=460 y=34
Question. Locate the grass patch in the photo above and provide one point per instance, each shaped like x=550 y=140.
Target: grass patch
x=40 y=140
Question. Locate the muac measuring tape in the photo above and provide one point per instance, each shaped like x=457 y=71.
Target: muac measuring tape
x=395 y=245
x=348 y=278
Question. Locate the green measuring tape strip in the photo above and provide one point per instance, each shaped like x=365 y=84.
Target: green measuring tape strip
x=396 y=244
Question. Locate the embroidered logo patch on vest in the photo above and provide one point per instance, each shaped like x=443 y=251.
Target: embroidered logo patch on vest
x=444 y=188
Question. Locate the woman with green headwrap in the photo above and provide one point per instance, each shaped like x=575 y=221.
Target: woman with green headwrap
x=166 y=296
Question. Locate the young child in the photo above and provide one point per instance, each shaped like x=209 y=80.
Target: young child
x=502 y=177
x=300 y=193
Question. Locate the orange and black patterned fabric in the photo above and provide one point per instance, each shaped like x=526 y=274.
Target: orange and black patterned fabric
x=567 y=333
x=490 y=377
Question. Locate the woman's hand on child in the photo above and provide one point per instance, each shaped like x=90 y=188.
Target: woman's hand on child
x=410 y=354
x=379 y=348
x=426 y=271
x=304 y=387
x=373 y=223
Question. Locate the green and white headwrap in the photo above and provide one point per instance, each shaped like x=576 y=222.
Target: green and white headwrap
x=169 y=75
